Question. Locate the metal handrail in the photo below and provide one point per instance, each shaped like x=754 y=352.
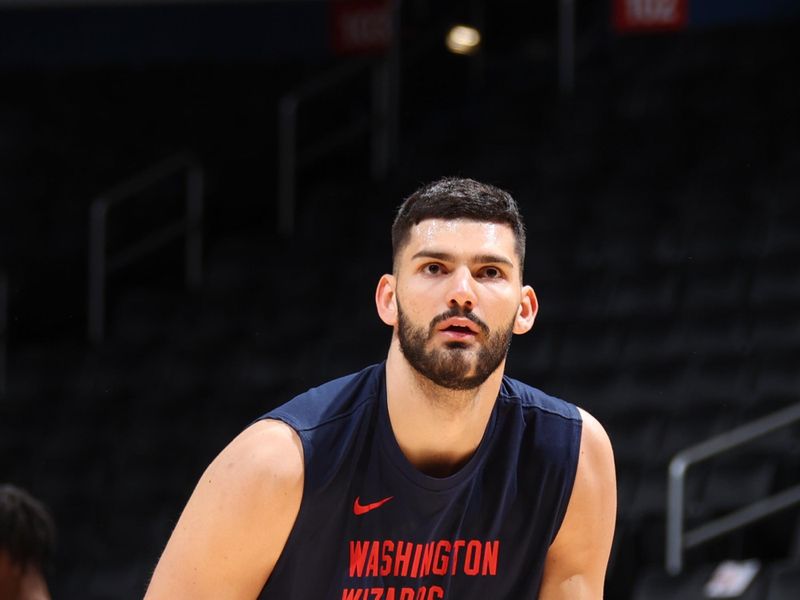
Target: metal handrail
x=679 y=540
x=190 y=226
x=3 y=331
x=291 y=157
x=381 y=123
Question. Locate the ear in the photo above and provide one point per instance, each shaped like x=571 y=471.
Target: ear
x=526 y=313
x=386 y=300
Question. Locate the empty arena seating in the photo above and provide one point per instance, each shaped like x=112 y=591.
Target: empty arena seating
x=663 y=241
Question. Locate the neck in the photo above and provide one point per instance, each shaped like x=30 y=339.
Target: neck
x=438 y=429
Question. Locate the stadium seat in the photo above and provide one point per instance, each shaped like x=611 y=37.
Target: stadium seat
x=714 y=287
x=652 y=294
x=776 y=330
x=734 y=484
x=784 y=582
x=776 y=283
x=654 y=584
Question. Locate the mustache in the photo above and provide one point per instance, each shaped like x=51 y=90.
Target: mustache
x=459 y=312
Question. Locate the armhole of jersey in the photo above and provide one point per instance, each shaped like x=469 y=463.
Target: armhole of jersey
x=293 y=532
x=569 y=482
x=289 y=422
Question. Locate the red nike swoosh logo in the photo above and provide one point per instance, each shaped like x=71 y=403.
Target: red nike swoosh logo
x=360 y=509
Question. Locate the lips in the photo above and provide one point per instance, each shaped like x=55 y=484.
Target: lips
x=458 y=328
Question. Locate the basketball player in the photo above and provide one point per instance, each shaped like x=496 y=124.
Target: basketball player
x=27 y=538
x=428 y=476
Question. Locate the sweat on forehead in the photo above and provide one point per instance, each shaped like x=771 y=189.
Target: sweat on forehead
x=458 y=198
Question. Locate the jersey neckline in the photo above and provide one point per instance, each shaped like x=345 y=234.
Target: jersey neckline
x=409 y=471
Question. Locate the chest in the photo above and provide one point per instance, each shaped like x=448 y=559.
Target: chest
x=376 y=530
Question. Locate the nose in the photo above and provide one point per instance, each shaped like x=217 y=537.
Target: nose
x=462 y=292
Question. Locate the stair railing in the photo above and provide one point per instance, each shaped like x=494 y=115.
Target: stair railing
x=380 y=123
x=101 y=264
x=679 y=540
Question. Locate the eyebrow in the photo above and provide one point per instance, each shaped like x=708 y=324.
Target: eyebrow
x=446 y=256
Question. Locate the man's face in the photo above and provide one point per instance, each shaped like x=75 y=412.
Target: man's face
x=458 y=294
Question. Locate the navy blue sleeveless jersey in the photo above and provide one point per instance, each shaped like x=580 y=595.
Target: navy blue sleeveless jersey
x=372 y=527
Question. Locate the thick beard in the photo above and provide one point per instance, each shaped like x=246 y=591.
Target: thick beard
x=450 y=367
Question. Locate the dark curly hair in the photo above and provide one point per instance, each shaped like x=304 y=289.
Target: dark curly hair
x=458 y=198
x=27 y=531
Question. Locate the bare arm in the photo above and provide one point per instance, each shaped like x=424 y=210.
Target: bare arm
x=577 y=560
x=236 y=523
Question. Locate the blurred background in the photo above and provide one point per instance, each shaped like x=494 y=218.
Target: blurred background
x=195 y=201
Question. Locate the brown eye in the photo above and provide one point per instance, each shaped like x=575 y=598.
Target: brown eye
x=492 y=272
x=433 y=269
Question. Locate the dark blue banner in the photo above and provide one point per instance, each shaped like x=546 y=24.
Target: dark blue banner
x=100 y=35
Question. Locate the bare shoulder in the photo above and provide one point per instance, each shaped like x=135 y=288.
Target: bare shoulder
x=267 y=448
x=595 y=491
x=254 y=485
x=595 y=443
x=260 y=474
x=263 y=463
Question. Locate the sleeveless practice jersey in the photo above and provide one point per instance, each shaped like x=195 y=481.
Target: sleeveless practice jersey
x=372 y=527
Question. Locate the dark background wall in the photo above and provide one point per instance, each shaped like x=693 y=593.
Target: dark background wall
x=661 y=200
